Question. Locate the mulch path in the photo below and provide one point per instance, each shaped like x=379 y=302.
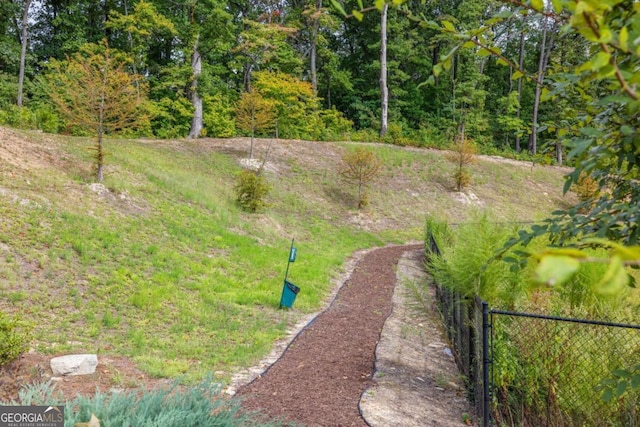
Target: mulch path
x=319 y=379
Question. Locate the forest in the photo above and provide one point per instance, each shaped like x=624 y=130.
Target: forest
x=374 y=75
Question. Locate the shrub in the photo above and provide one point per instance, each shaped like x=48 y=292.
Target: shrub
x=18 y=117
x=586 y=188
x=47 y=119
x=462 y=155
x=171 y=118
x=251 y=190
x=174 y=406
x=396 y=135
x=334 y=125
x=15 y=335
x=218 y=117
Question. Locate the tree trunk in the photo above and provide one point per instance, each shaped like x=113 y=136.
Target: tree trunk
x=196 y=100
x=545 y=53
x=383 y=72
x=23 y=52
x=521 y=66
x=559 y=153
x=315 y=28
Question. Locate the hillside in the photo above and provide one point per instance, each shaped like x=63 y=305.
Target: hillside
x=159 y=264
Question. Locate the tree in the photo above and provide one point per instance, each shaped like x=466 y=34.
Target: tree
x=254 y=114
x=462 y=155
x=545 y=52
x=94 y=90
x=384 y=90
x=360 y=167
x=23 y=51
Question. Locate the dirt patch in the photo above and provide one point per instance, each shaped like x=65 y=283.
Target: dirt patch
x=416 y=381
x=113 y=373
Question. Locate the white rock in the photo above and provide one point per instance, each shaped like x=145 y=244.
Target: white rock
x=74 y=364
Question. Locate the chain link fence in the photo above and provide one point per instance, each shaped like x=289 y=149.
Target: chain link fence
x=531 y=370
x=548 y=371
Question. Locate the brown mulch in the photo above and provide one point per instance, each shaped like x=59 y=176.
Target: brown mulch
x=318 y=381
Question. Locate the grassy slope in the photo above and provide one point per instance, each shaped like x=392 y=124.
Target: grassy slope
x=166 y=269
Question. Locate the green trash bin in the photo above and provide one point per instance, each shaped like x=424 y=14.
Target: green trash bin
x=289 y=292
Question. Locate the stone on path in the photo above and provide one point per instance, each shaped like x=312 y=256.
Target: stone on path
x=74 y=364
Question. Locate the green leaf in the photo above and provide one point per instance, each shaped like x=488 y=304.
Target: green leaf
x=379 y=4
x=615 y=278
x=557 y=6
x=468 y=44
x=555 y=269
x=635 y=381
x=538 y=5
x=357 y=14
x=338 y=7
x=449 y=26
x=516 y=75
x=360 y=5
x=622 y=388
x=600 y=60
x=484 y=52
x=607 y=395
x=605 y=35
x=623 y=39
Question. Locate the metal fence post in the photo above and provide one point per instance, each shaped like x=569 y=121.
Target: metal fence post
x=485 y=364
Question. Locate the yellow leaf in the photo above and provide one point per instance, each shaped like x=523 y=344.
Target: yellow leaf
x=516 y=75
x=357 y=14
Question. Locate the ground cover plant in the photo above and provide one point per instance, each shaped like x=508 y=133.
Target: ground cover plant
x=172 y=406
x=544 y=373
x=160 y=265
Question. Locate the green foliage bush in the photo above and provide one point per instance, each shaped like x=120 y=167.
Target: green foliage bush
x=333 y=125
x=47 y=119
x=396 y=135
x=251 y=190
x=171 y=117
x=18 y=117
x=364 y=135
x=218 y=117
x=15 y=336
